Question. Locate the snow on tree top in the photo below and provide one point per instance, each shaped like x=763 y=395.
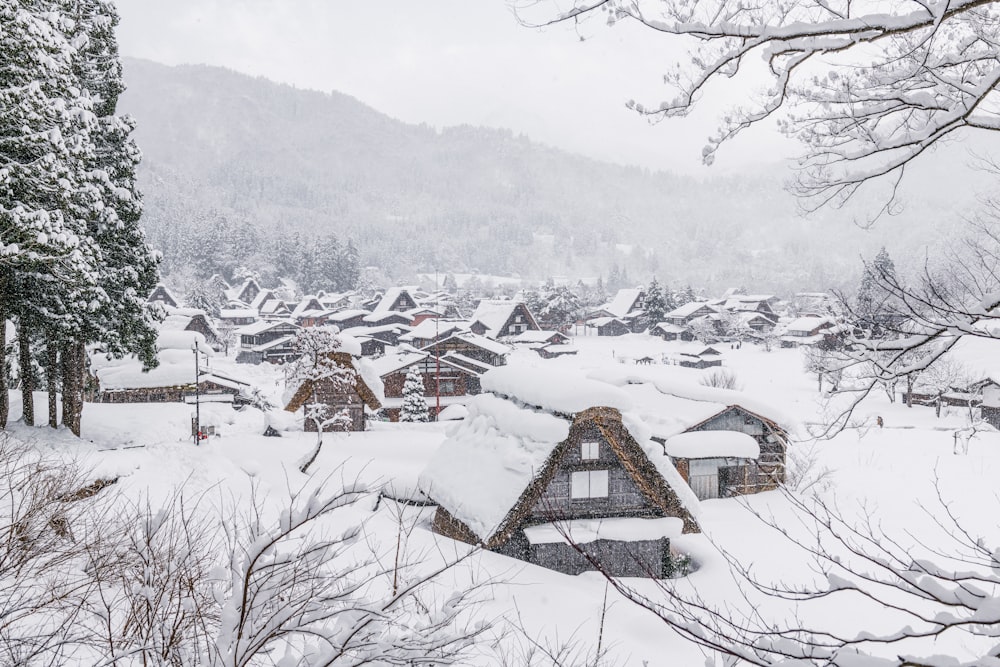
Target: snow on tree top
x=561 y=390
x=488 y=460
x=712 y=444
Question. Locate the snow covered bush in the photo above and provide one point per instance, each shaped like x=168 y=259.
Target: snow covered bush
x=721 y=378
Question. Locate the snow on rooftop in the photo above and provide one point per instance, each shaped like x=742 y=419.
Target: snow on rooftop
x=712 y=444
x=390 y=363
x=623 y=302
x=674 y=382
x=371 y=377
x=173 y=339
x=488 y=460
x=494 y=314
x=621 y=529
x=385 y=303
x=559 y=390
x=808 y=323
x=686 y=310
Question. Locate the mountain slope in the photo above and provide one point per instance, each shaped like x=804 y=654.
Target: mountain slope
x=222 y=145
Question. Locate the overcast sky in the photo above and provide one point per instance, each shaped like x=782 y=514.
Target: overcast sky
x=447 y=62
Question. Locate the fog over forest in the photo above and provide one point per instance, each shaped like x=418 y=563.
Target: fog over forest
x=232 y=163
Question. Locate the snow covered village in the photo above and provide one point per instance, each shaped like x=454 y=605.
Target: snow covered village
x=515 y=334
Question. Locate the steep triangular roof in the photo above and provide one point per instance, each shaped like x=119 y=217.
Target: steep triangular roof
x=492 y=471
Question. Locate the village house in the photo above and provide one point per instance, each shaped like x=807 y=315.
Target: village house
x=395 y=299
x=500 y=319
x=699 y=357
x=442 y=378
x=162 y=295
x=672 y=332
x=609 y=326
x=266 y=341
x=723 y=442
x=172 y=381
x=236 y=315
x=353 y=396
x=192 y=319
x=546 y=466
x=245 y=293
x=819 y=331
x=478 y=349
x=429 y=331
x=684 y=315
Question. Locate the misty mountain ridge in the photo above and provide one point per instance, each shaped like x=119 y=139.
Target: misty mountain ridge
x=217 y=143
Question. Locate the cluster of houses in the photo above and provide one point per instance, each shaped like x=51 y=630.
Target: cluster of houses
x=733 y=316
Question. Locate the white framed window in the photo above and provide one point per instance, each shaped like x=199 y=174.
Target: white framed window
x=590 y=451
x=589 y=484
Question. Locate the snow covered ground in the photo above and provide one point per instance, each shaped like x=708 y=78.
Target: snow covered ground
x=882 y=474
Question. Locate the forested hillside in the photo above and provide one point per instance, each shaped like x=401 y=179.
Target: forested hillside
x=240 y=171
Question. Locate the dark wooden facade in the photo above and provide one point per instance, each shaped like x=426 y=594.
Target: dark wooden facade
x=613 y=327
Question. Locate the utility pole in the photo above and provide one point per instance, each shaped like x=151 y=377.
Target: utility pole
x=437 y=347
x=197 y=395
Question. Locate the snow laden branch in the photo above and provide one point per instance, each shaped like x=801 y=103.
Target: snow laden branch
x=196 y=581
x=866 y=86
x=944 y=592
x=919 y=333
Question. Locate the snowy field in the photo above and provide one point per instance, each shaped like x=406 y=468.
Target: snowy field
x=884 y=475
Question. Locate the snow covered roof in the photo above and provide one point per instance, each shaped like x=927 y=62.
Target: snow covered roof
x=391 y=363
x=342 y=315
x=488 y=460
x=431 y=328
x=234 y=313
x=381 y=316
x=603 y=321
x=623 y=303
x=556 y=390
x=388 y=299
x=494 y=314
x=537 y=336
x=481 y=342
x=482 y=474
x=671 y=400
x=667 y=327
x=978 y=358
x=260 y=327
x=807 y=324
x=465 y=363
x=712 y=444
x=172 y=339
x=687 y=309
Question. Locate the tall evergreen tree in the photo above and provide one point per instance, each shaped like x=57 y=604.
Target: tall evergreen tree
x=655 y=304
x=47 y=259
x=872 y=304
x=414 y=408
